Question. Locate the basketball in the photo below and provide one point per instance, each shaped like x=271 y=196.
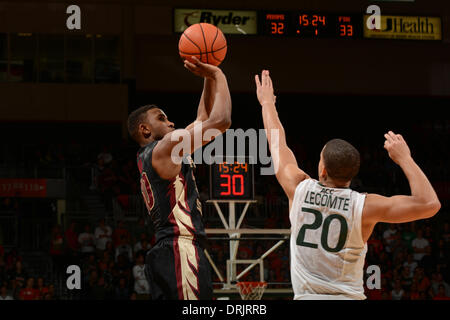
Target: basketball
x=205 y=41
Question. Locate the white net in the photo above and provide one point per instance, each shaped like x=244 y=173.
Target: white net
x=251 y=290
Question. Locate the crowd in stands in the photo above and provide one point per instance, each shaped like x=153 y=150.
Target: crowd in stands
x=16 y=283
x=413 y=257
x=111 y=262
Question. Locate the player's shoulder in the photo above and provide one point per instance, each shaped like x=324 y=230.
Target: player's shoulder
x=146 y=150
x=305 y=183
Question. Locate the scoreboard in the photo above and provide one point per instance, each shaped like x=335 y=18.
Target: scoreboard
x=308 y=24
x=232 y=180
x=311 y=25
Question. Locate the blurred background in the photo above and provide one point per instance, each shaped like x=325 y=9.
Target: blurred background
x=69 y=184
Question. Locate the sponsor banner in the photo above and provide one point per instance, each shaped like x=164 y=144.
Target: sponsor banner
x=229 y=21
x=406 y=28
x=25 y=188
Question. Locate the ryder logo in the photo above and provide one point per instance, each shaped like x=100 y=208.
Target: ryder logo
x=229 y=21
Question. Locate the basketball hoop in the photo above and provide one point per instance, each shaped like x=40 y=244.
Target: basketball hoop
x=251 y=290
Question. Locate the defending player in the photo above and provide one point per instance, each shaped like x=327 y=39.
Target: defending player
x=330 y=223
x=176 y=267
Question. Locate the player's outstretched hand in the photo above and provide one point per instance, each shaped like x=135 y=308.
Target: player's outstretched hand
x=264 y=88
x=201 y=69
x=396 y=147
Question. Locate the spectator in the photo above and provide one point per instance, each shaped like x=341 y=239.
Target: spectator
x=441 y=253
x=124 y=249
x=439 y=281
x=86 y=240
x=120 y=232
x=50 y=295
x=398 y=292
x=423 y=282
x=103 y=264
x=2 y=268
x=15 y=289
x=139 y=229
x=143 y=246
x=411 y=264
x=105 y=155
x=29 y=292
x=122 y=291
x=91 y=283
x=138 y=244
x=11 y=258
x=441 y=295
x=99 y=290
x=4 y=293
x=102 y=235
x=18 y=274
x=109 y=275
x=376 y=243
x=71 y=239
x=110 y=249
x=428 y=261
x=57 y=249
x=398 y=251
x=414 y=292
x=419 y=245
x=41 y=288
x=389 y=236
x=97 y=171
x=141 y=286
x=406 y=278
x=429 y=235
x=445 y=234
x=127 y=179
x=408 y=236
x=90 y=264
x=108 y=184
x=122 y=267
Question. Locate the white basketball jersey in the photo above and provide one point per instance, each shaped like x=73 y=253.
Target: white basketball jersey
x=327 y=248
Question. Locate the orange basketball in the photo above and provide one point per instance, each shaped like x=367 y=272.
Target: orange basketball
x=205 y=41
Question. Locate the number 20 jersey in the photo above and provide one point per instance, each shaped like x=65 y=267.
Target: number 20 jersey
x=327 y=248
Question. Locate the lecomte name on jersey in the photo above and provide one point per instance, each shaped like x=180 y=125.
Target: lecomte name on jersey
x=325 y=198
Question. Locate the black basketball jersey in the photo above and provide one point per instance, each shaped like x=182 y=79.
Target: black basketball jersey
x=173 y=205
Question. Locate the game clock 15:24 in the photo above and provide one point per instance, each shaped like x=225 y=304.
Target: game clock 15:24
x=311 y=25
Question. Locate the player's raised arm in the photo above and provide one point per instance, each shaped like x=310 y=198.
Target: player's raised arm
x=219 y=120
x=421 y=204
x=206 y=101
x=288 y=174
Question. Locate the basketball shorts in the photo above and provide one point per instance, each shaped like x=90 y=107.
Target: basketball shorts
x=177 y=269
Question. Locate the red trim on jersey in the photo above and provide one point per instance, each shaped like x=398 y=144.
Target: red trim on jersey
x=147 y=188
x=140 y=165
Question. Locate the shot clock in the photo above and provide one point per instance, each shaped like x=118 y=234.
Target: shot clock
x=312 y=25
x=232 y=180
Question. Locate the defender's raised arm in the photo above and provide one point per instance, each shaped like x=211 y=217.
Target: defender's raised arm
x=288 y=174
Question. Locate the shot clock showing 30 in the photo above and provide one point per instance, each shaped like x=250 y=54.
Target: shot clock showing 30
x=231 y=181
